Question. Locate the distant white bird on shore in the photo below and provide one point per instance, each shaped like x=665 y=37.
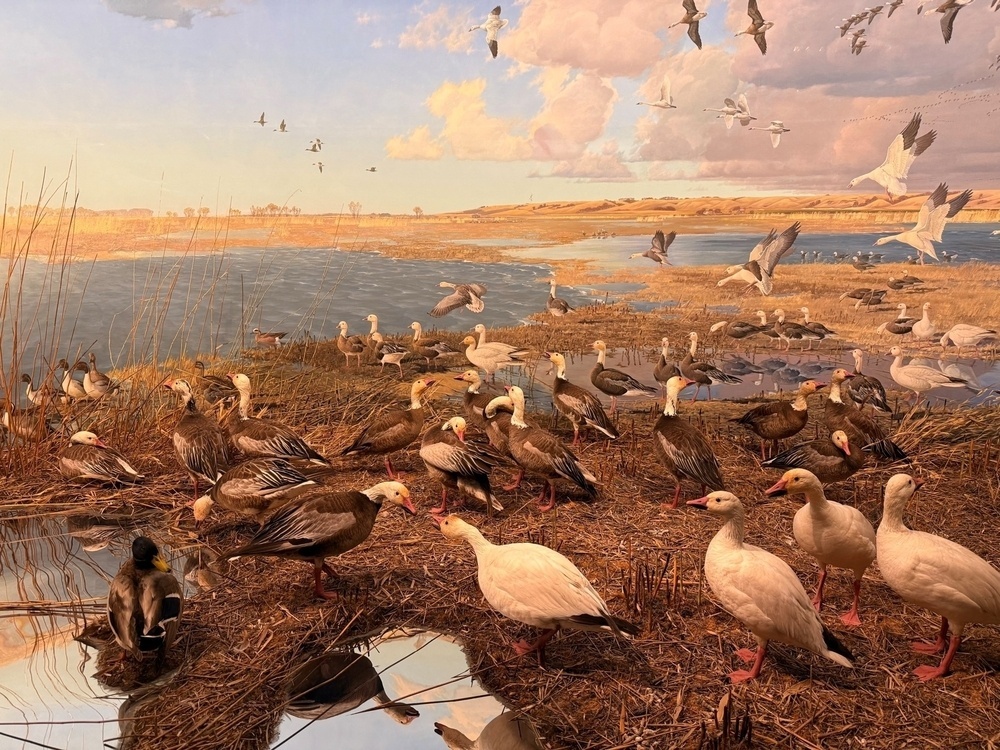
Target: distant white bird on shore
x=934 y=214
x=949 y=9
x=899 y=157
x=692 y=16
x=729 y=112
x=491 y=26
x=666 y=101
x=776 y=128
x=758 y=270
x=758 y=26
x=995 y=233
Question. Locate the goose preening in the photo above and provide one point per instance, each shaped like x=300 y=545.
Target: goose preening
x=87 y=458
x=681 y=447
x=268 y=339
x=73 y=388
x=702 y=373
x=350 y=346
x=931 y=220
x=788 y=331
x=728 y=112
x=324 y=525
x=758 y=26
x=491 y=26
x=692 y=17
x=388 y=352
x=459 y=465
x=761 y=591
x=199 y=442
x=776 y=128
x=145 y=602
x=657 y=251
x=831 y=459
x=759 y=268
x=492 y=357
x=666 y=101
x=254 y=488
x=892 y=7
x=866 y=389
x=534 y=585
x=556 y=306
x=615 y=383
x=394 y=429
x=920 y=378
x=508 y=731
x=214 y=388
x=935 y=573
x=581 y=407
x=469 y=296
x=665 y=368
x=538 y=452
x=780 y=420
x=260 y=120
x=833 y=534
x=259 y=438
x=904 y=149
x=96 y=383
x=963 y=335
x=949 y=9
x=863 y=431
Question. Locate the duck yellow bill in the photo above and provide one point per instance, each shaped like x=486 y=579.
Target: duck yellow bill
x=161 y=564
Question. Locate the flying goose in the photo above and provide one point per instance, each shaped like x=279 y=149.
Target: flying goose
x=491 y=26
x=759 y=269
x=657 y=251
x=858 y=43
x=282 y=128
x=371 y=169
x=776 y=128
x=743 y=114
x=145 y=601
x=728 y=112
x=892 y=7
x=260 y=121
x=556 y=306
x=199 y=443
x=949 y=9
x=469 y=296
x=615 y=383
x=458 y=464
x=581 y=407
x=905 y=148
x=873 y=12
x=758 y=26
x=692 y=17
x=666 y=101
x=931 y=220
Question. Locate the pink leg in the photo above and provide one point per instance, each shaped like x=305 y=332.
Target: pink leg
x=741 y=675
x=851 y=618
x=937 y=646
x=709 y=393
x=614 y=405
x=817 y=600
x=400 y=366
x=552 y=497
x=762 y=456
x=576 y=435
x=388 y=468
x=320 y=566
x=517 y=481
x=444 y=502
x=677 y=497
x=523 y=647
x=928 y=672
x=746 y=655
x=696 y=392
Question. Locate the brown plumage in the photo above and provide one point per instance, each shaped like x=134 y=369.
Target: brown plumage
x=831 y=459
x=198 y=441
x=681 y=447
x=578 y=405
x=268 y=339
x=254 y=488
x=614 y=382
x=350 y=346
x=865 y=389
x=458 y=464
x=95 y=382
x=28 y=424
x=788 y=331
x=86 y=458
x=394 y=429
x=428 y=348
x=213 y=387
x=702 y=373
x=474 y=402
x=539 y=452
x=72 y=388
x=323 y=525
x=665 y=367
x=780 y=419
x=862 y=430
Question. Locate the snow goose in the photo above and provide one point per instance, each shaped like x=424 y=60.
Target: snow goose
x=499 y=345
x=920 y=378
x=145 y=602
x=556 y=306
x=469 y=296
x=682 y=448
x=324 y=525
x=459 y=465
x=831 y=459
x=962 y=335
x=491 y=358
x=615 y=383
x=394 y=429
x=491 y=26
x=788 y=331
x=758 y=26
x=780 y=420
x=96 y=383
x=905 y=148
x=86 y=458
x=657 y=251
x=776 y=128
x=813 y=325
x=900 y=325
x=534 y=585
x=581 y=407
x=863 y=430
x=866 y=389
x=29 y=425
x=538 y=452
x=692 y=17
x=759 y=269
x=350 y=346
x=269 y=339
x=702 y=373
x=199 y=442
x=761 y=591
x=833 y=534
x=388 y=352
x=426 y=347
x=924 y=328
x=72 y=387
x=258 y=438
x=931 y=220
x=665 y=367
x=254 y=488
x=906 y=278
x=935 y=573
x=728 y=112
x=508 y=731
x=949 y=9
x=892 y=7
x=666 y=101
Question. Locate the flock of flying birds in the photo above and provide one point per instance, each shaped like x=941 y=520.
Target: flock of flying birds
x=314 y=147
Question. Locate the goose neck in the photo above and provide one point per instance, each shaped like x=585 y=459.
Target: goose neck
x=244 y=404
x=835 y=392
x=670 y=405
x=801 y=402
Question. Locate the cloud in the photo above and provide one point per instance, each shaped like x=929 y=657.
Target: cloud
x=605 y=165
x=418 y=144
x=575 y=114
x=469 y=130
x=170 y=14
x=441 y=27
x=363 y=19
x=377 y=43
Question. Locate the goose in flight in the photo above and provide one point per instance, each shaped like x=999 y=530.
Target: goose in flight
x=858 y=44
x=370 y=169
x=776 y=128
x=744 y=115
x=934 y=214
x=691 y=17
x=758 y=26
x=666 y=101
x=314 y=147
x=658 y=249
x=491 y=26
x=318 y=165
x=904 y=149
x=261 y=121
x=949 y=9
x=872 y=12
x=729 y=112
x=467 y=295
x=282 y=128
x=759 y=269
x=892 y=7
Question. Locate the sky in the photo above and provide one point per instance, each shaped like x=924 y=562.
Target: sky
x=151 y=103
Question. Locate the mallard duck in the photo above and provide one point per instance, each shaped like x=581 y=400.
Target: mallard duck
x=394 y=429
x=324 y=525
x=254 y=488
x=614 y=382
x=578 y=405
x=779 y=420
x=459 y=465
x=145 y=601
x=831 y=459
x=87 y=458
x=198 y=441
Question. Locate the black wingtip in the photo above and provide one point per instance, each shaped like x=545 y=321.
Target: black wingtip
x=835 y=645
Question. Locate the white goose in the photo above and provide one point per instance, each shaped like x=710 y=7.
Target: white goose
x=744 y=115
x=761 y=591
x=834 y=534
x=920 y=378
x=931 y=220
x=492 y=26
x=935 y=573
x=498 y=345
x=963 y=335
x=728 y=112
x=776 y=128
x=759 y=268
x=535 y=585
x=924 y=329
x=490 y=358
x=904 y=149
x=666 y=101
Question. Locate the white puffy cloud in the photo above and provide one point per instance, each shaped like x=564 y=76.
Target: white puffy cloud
x=604 y=165
x=170 y=14
x=441 y=27
x=418 y=144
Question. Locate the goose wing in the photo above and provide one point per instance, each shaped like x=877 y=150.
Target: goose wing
x=689 y=6
x=123 y=609
x=695 y=33
x=453 y=301
x=778 y=248
x=897 y=155
x=690 y=453
x=300 y=526
x=935 y=199
x=456 y=457
x=754 y=13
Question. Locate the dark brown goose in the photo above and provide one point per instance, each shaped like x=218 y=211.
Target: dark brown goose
x=865 y=389
x=556 y=306
x=254 y=488
x=681 y=447
x=474 y=402
x=665 y=367
x=862 y=430
x=350 y=346
x=615 y=383
x=737 y=329
x=324 y=525
x=577 y=404
x=702 y=373
x=214 y=388
x=459 y=465
x=394 y=429
x=87 y=459
x=428 y=348
x=780 y=419
x=539 y=452
x=263 y=437
x=789 y=332
x=198 y=441
x=830 y=459
x=901 y=324
x=813 y=325
x=145 y=601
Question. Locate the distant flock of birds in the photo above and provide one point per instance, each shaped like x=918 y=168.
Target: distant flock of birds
x=315 y=145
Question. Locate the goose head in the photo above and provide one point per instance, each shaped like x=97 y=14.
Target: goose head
x=470 y=376
x=676 y=384
x=882 y=241
x=795 y=482
x=446 y=285
x=809 y=387
x=840 y=375
x=898 y=491
x=416 y=326
x=724 y=504
x=342 y=325
x=556 y=358
x=479 y=328
x=240 y=381
x=665 y=343
x=62 y=365
x=516 y=394
x=896 y=351
x=636 y=255
x=372 y=318
x=858 y=356
x=395 y=492
x=500 y=401
x=178 y=385
x=202 y=508
x=839 y=438
x=420 y=386
x=454 y=528
x=456 y=425
x=25 y=378
x=378 y=337
x=84 y=437
x=599 y=346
